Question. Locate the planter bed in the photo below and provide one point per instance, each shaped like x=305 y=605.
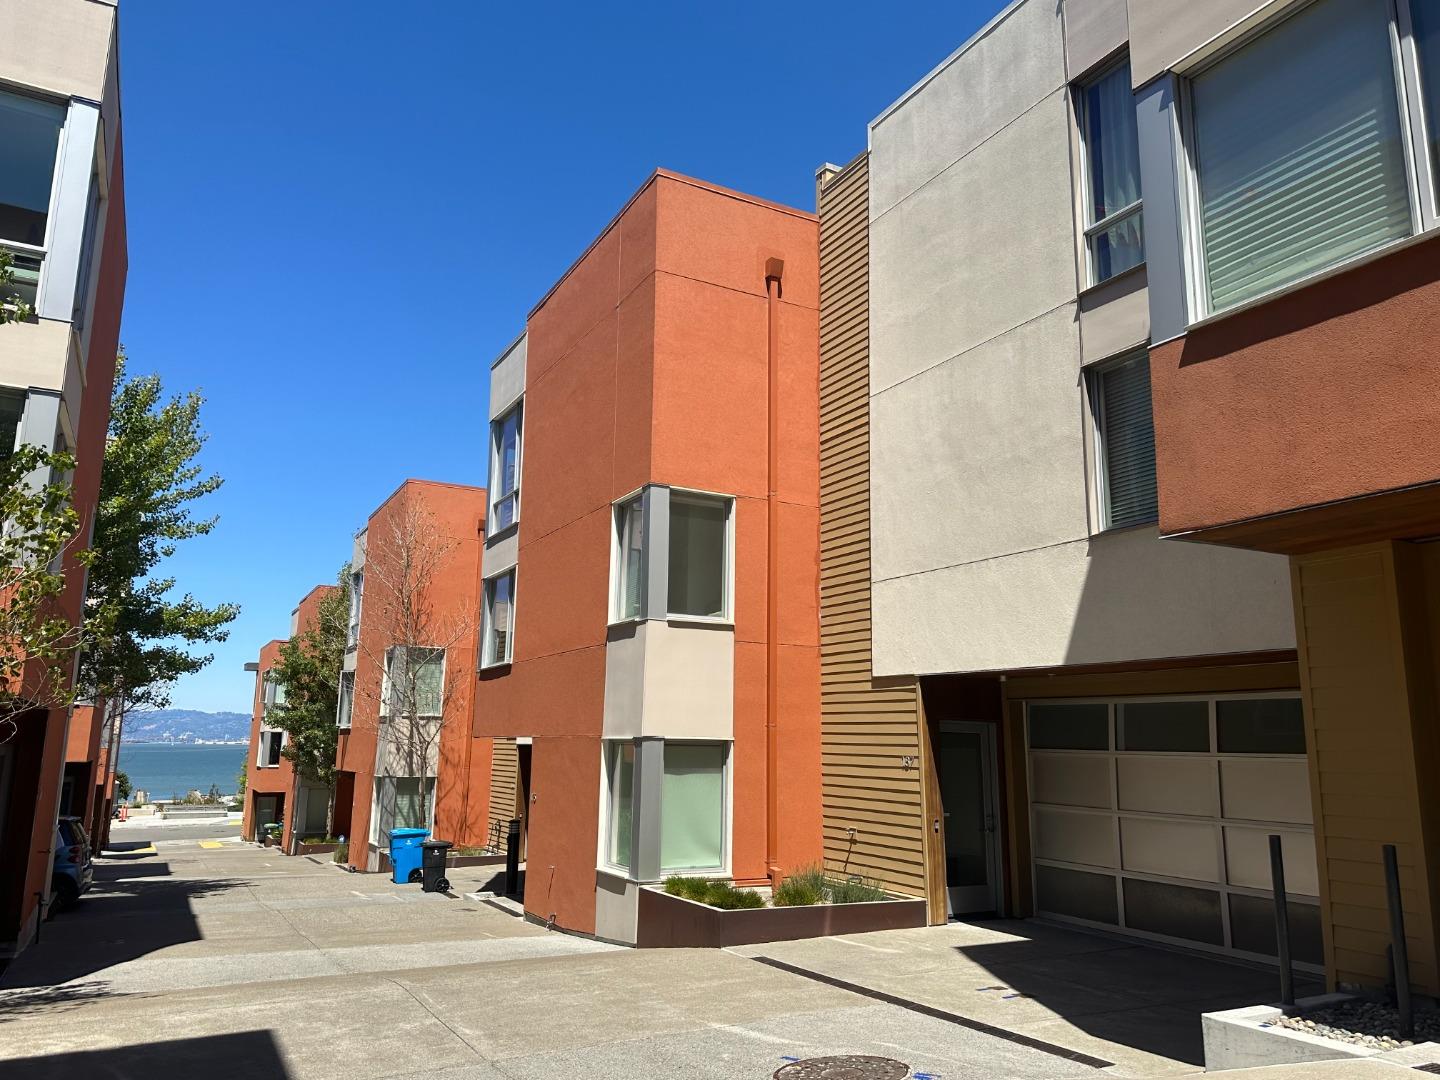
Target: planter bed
x=315 y=849
x=475 y=860
x=673 y=922
x=1326 y=1027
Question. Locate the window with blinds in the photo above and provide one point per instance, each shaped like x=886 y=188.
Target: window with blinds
x=1125 y=429
x=1298 y=151
x=1114 y=225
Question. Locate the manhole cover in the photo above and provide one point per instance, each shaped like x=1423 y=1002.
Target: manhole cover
x=847 y=1067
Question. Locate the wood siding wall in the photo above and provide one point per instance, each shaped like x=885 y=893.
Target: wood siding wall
x=1365 y=619
x=504 y=770
x=870 y=734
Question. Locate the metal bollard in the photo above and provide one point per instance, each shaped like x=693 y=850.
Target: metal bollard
x=1282 y=921
x=512 y=858
x=1399 y=950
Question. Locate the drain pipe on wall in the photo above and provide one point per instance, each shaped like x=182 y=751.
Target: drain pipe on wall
x=774 y=269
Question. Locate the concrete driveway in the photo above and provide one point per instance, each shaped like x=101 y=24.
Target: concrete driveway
x=225 y=960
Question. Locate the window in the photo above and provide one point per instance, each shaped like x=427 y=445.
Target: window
x=692 y=810
x=412 y=801
x=630 y=576
x=620 y=776
x=1114 y=232
x=12 y=411
x=414 y=681
x=1125 y=433
x=1298 y=152
x=357 y=594
x=346 y=707
x=505 y=470
x=699 y=563
x=499 y=643
x=274 y=692
x=29 y=146
x=1425 y=26
x=270 y=745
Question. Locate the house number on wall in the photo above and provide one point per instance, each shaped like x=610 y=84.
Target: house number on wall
x=907 y=761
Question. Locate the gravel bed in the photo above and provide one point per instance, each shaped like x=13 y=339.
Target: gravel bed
x=1364 y=1023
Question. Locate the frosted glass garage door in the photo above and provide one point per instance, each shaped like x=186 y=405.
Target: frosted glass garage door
x=1152 y=815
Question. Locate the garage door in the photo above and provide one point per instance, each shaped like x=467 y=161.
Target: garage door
x=1152 y=816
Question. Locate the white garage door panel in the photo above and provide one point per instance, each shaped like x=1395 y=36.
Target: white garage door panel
x=1266 y=789
x=1247 y=860
x=1070 y=779
x=1169 y=785
x=1176 y=849
x=1075 y=836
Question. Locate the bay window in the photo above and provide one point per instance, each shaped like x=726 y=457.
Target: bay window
x=1114 y=223
x=498 y=646
x=692 y=568
x=505 y=438
x=1298 y=148
x=357 y=596
x=345 y=707
x=630 y=560
x=620 y=780
x=699 y=563
x=414 y=682
x=1125 y=441
x=12 y=411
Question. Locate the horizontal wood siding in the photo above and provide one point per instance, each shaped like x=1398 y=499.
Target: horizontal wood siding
x=504 y=768
x=870 y=735
x=1366 y=702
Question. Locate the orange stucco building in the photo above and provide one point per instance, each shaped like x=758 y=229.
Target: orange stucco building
x=274 y=792
x=650 y=648
x=405 y=755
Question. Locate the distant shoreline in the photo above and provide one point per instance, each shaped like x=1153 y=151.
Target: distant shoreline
x=177 y=742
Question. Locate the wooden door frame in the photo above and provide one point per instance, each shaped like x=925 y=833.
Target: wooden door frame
x=931 y=812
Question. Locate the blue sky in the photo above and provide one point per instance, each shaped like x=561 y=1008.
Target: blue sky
x=339 y=214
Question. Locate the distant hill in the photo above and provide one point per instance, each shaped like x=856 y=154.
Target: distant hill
x=186 y=726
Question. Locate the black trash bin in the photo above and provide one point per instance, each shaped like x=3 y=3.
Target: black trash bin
x=432 y=865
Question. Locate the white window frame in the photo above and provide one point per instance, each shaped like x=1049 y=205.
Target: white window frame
x=609 y=776
x=726 y=815
x=1092 y=227
x=1419 y=171
x=495 y=496
x=1095 y=397
x=618 y=511
x=343 y=716
x=487 y=619
x=727 y=585
x=357 y=601
x=268 y=738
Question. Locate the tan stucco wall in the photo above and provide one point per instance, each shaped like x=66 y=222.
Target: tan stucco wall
x=1094 y=30
x=982 y=555
x=61 y=46
x=1163 y=32
x=35 y=354
x=670 y=680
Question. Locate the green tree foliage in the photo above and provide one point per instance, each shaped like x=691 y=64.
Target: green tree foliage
x=12 y=308
x=147 y=489
x=241 y=778
x=37 y=642
x=309 y=673
x=122 y=786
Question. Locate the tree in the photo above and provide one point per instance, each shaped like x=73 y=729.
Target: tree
x=38 y=642
x=122 y=786
x=242 y=777
x=412 y=635
x=12 y=308
x=148 y=485
x=309 y=674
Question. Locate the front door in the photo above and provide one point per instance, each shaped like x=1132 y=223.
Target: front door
x=966 y=764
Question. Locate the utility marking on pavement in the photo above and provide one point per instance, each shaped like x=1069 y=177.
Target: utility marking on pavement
x=360 y=894
x=863 y=945
x=940 y=1014
x=736 y=1029
x=211 y=844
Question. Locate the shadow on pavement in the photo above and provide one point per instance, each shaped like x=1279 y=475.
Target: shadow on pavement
x=124 y=916
x=1125 y=992
x=246 y=1054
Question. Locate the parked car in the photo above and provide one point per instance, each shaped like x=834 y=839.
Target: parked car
x=74 y=870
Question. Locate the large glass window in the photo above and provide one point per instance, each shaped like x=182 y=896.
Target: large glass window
x=699 y=530
x=346 y=706
x=1298 y=150
x=357 y=595
x=505 y=470
x=499 y=645
x=414 y=682
x=412 y=801
x=1425 y=25
x=630 y=569
x=620 y=775
x=692 y=821
x=1114 y=233
x=12 y=411
x=29 y=144
x=1125 y=428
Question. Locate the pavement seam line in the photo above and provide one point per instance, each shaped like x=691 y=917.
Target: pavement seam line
x=1033 y=1043
x=440 y=1020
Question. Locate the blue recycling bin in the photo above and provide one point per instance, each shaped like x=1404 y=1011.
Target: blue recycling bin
x=406 y=853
